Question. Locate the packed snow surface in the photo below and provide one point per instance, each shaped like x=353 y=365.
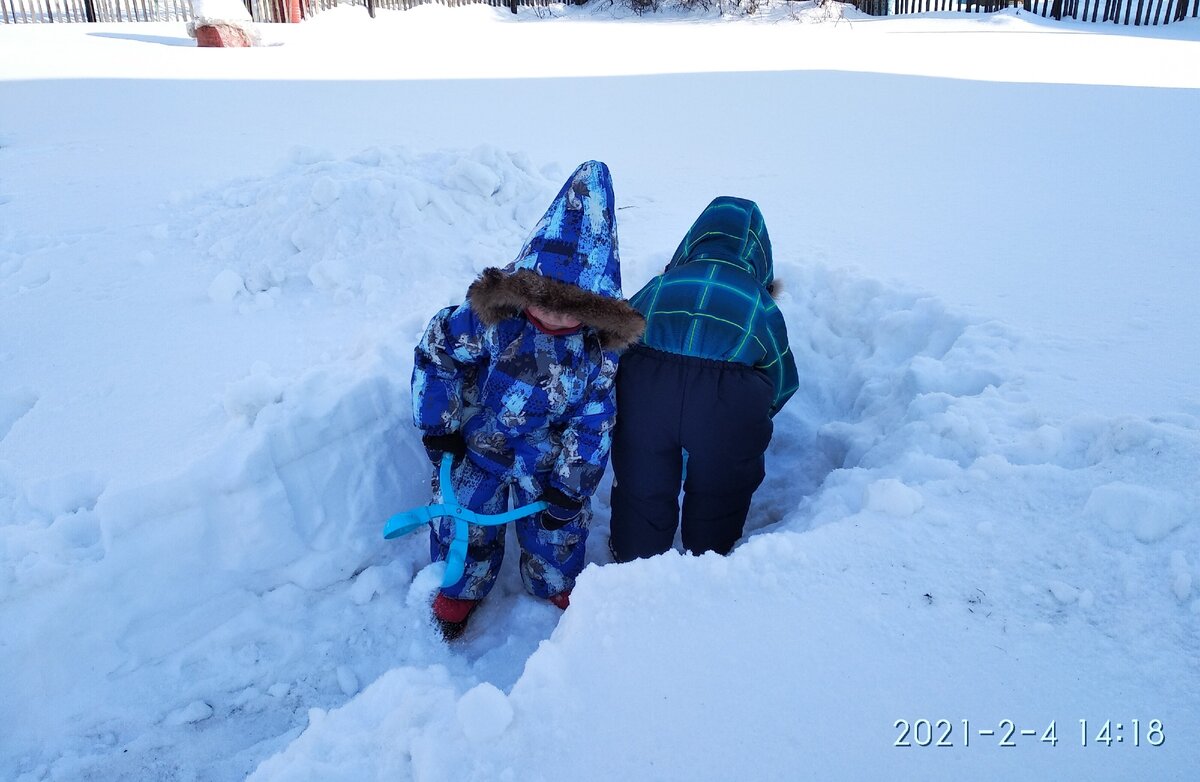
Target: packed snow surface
x=981 y=520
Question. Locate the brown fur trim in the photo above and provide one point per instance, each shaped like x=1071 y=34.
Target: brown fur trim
x=496 y=296
x=775 y=288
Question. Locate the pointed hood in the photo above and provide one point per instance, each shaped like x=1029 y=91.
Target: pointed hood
x=570 y=264
x=730 y=230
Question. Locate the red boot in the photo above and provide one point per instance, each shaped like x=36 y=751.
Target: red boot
x=451 y=615
x=562 y=599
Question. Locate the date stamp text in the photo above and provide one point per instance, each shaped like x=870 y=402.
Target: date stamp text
x=1007 y=733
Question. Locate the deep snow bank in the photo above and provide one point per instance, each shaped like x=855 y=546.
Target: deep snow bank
x=964 y=558
x=958 y=544
x=217 y=605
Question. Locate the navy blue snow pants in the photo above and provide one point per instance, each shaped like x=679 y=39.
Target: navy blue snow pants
x=718 y=412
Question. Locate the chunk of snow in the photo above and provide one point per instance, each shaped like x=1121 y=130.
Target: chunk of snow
x=484 y=712
x=226 y=286
x=466 y=174
x=893 y=497
x=427 y=580
x=325 y=191
x=245 y=398
x=368 y=584
x=1064 y=593
x=196 y=711
x=330 y=276
x=230 y=10
x=1151 y=514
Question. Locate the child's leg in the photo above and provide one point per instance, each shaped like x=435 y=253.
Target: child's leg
x=646 y=456
x=551 y=560
x=480 y=492
x=727 y=427
x=717 y=499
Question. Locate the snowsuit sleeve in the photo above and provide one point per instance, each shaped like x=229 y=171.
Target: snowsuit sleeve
x=448 y=355
x=587 y=437
x=778 y=363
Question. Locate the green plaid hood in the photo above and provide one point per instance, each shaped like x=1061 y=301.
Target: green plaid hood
x=730 y=230
x=714 y=298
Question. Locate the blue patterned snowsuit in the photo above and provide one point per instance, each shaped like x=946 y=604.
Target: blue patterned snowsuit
x=536 y=409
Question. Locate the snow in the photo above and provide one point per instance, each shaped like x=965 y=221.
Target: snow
x=196 y=711
x=222 y=12
x=893 y=497
x=484 y=712
x=219 y=9
x=981 y=505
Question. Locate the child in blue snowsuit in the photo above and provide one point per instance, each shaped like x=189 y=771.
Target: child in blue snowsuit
x=710 y=372
x=518 y=384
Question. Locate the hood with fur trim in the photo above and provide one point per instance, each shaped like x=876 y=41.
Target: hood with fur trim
x=569 y=265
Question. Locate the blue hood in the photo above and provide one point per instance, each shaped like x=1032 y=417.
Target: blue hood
x=570 y=264
x=576 y=240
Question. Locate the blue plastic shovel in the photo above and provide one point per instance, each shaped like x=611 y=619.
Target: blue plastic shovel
x=456 y=560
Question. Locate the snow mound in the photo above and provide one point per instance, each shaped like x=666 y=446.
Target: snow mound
x=371 y=227
x=224 y=583
x=376 y=740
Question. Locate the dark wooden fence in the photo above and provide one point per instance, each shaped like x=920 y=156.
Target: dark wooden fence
x=1131 y=12
x=17 y=11
x=1135 y=12
x=930 y=6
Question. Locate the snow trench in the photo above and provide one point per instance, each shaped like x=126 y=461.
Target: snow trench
x=250 y=601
